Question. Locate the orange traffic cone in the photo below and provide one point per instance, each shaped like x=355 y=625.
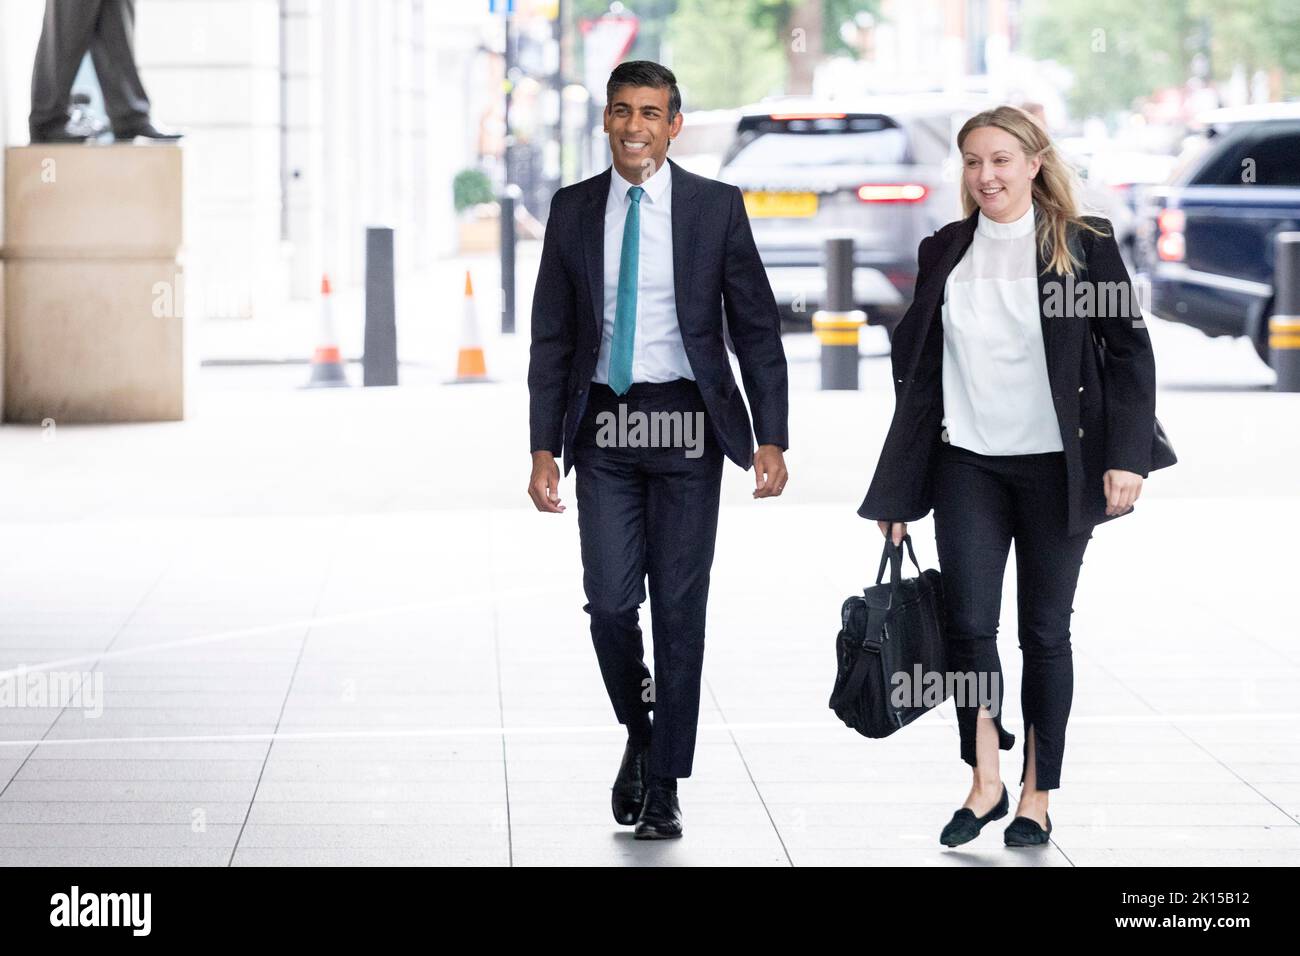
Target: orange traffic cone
x=326 y=364
x=470 y=364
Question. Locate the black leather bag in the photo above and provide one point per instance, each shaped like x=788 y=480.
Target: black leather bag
x=891 y=637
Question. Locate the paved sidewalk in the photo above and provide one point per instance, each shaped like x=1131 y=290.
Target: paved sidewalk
x=331 y=630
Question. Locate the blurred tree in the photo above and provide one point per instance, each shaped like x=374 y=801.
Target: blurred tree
x=722 y=51
x=721 y=56
x=1258 y=35
x=1116 y=56
x=809 y=30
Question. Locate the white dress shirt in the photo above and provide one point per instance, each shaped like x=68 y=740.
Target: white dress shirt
x=657 y=352
x=997 y=399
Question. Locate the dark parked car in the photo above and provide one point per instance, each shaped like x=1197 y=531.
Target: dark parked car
x=1207 y=240
x=880 y=170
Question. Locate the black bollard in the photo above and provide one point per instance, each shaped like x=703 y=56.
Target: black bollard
x=507 y=201
x=838 y=323
x=379 y=363
x=1284 y=323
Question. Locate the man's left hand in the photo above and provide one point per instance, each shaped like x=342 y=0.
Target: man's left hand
x=769 y=471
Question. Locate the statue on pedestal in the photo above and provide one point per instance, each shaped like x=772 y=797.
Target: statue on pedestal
x=105 y=29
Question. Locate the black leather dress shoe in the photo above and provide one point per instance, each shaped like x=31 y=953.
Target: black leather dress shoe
x=146 y=130
x=661 y=817
x=1025 y=831
x=628 y=792
x=57 y=135
x=965 y=826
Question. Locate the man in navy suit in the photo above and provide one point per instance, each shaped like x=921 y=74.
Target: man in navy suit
x=639 y=265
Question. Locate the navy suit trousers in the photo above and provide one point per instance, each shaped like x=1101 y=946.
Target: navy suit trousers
x=649 y=511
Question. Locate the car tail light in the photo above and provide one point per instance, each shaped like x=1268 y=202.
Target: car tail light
x=892 y=192
x=1171 y=246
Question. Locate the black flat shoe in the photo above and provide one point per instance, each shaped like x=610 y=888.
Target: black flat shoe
x=965 y=826
x=661 y=817
x=1023 y=831
x=628 y=792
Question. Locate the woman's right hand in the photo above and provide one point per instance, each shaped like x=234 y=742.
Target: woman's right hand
x=899 y=529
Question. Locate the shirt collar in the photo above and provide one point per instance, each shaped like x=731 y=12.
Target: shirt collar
x=1007 y=230
x=654 y=187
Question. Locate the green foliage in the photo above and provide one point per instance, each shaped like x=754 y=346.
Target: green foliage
x=842 y=11
x=1257 y=34
x=471 y=187
x=774 y=16
x=1118 y=52
x=722 y=58
x=724 y=52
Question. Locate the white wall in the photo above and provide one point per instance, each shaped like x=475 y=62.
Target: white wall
x=20 y=27
x=212 y=67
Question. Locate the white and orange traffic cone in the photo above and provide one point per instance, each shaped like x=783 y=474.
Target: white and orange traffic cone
x=326 y=364
x=470 y=364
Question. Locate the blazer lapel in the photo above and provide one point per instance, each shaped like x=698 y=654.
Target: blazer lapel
x=938 y=278
x=684 y=213
x=593 y=246
x=930 y=293
x=1045 y=280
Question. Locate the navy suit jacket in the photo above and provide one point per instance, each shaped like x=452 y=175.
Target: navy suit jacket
x=716 y=270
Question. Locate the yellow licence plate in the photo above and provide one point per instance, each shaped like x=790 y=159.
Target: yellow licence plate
x=772 y=205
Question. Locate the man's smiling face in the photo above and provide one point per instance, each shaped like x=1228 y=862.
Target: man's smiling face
x=637 y=122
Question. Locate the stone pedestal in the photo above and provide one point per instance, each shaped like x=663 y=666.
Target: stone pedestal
x=93 y=299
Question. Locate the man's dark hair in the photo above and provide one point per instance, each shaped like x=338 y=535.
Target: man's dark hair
x=645 y=73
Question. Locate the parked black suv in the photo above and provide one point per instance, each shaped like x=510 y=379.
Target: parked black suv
x=1206 y=241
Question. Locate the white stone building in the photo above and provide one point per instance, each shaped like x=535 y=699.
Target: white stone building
x=306 y=121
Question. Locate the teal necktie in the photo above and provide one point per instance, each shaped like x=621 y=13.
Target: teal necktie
x=620 y=350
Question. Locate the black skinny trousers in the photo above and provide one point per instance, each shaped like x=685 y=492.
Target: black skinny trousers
x=981 y=504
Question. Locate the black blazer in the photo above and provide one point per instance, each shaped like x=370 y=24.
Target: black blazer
x=1106 y=415
x=716 y=267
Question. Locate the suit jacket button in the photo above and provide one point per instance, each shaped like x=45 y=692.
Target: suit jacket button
x=1080 y=432
x=943 y=435
x=1081 y=388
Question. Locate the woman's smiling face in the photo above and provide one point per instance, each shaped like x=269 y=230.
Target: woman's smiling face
x=997 y=173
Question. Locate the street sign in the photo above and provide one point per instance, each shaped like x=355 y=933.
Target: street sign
x=604 y=44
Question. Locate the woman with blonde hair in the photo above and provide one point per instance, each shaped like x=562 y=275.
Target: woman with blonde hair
x=1010 y=427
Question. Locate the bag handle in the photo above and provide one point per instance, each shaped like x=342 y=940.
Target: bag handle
x=893 y=556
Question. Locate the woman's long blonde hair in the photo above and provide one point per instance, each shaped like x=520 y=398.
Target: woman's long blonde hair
x=1052 y=190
